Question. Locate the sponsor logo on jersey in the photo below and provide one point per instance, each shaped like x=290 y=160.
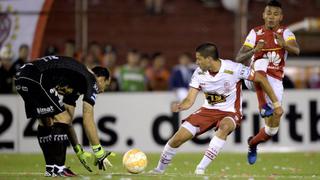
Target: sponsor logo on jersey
x=215 y=98
x=273 y=57
x=64 y=89
x=228 y=71
x=45 y=110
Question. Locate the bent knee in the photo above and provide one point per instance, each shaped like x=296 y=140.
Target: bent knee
x=271 y=131
x=226 y=127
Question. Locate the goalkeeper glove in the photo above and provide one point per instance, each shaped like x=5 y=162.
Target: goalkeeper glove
x=83 y=156
x=101 y=155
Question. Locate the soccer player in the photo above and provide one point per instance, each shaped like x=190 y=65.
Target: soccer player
x=268 y=46
x=39 y=84
x=220 y=81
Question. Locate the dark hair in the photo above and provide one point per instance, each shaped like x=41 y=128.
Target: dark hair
x=23 y=46
x=208 y=49
x=101 y=71
x=134 y=51
x=274 y=3
x=156 y=55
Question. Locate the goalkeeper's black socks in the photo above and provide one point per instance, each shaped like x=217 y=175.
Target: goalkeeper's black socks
x=45 y=141
x=60 y=143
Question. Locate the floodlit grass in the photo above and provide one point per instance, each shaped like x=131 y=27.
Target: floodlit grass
x=226 y=166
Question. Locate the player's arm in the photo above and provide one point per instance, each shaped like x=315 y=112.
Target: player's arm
x=244 y=55
x=248 y=48
x=72 y=136
x=246 y=52
x=265 y=85
x=91 y=131
x=187 y=102
x=89 y=125
x=288 y=42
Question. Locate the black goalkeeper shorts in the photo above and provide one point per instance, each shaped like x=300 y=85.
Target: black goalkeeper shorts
x=40 y=102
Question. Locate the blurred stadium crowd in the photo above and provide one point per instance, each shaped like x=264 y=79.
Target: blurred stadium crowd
x=135 y=70
x=141 y=72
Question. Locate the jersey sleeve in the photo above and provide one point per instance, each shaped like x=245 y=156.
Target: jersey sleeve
x=245 y=72
x=288 y=35
x=91 y=91
x=70 y=99
x=194 y=83
x=251 y=39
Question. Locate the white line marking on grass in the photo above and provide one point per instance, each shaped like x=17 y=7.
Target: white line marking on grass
x=20 y=173
x=234 y=176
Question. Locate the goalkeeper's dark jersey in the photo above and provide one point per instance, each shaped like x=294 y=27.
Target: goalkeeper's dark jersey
x=69 y=77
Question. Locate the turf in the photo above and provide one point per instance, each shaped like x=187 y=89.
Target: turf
x=226 y=166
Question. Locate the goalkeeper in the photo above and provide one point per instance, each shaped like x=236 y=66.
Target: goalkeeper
x=39 y=84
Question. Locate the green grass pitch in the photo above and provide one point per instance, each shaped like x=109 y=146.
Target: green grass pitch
x=227 y=166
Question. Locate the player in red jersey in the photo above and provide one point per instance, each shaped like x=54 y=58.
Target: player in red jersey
x=267 y=47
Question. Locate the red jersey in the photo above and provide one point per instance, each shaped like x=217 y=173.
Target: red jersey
x=271 y=50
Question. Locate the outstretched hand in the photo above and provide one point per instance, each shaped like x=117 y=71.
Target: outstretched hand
x=175 y=107
x=281 y=42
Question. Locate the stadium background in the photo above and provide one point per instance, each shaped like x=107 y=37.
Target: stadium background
x=143 y=119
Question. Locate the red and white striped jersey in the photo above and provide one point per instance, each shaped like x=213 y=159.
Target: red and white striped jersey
x=223 y=89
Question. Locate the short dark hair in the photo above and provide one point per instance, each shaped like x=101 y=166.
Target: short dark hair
x=156 y=55
x=23 y=46
x=208 y=49
x=101 y=71
x=274 y=3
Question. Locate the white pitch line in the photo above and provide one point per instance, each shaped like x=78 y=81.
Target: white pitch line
x=20 y=173
x=172 y=175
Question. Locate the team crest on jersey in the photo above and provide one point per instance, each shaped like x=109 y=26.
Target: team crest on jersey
x=273 y=57
x=215 y=98
x=259 y=33
x=280 y=30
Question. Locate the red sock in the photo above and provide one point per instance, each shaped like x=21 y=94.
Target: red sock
x=262 y=136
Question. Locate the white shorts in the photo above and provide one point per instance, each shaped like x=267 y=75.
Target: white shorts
x=191 y=128
x=258 y=65
x=277 y=87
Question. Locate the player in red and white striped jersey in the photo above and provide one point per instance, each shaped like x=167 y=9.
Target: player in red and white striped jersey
x=220 y=81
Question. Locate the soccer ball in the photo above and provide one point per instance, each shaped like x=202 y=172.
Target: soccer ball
x=135 y=161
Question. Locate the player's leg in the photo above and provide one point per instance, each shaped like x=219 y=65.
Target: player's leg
x=60 y=128
x=28 y=87
x=226 y=126
x=45 y=141
x=271 y=123
x=169 y=151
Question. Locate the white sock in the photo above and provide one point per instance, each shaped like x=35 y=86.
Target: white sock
x=211 y=153
x=60 y=168
x=166 y=157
